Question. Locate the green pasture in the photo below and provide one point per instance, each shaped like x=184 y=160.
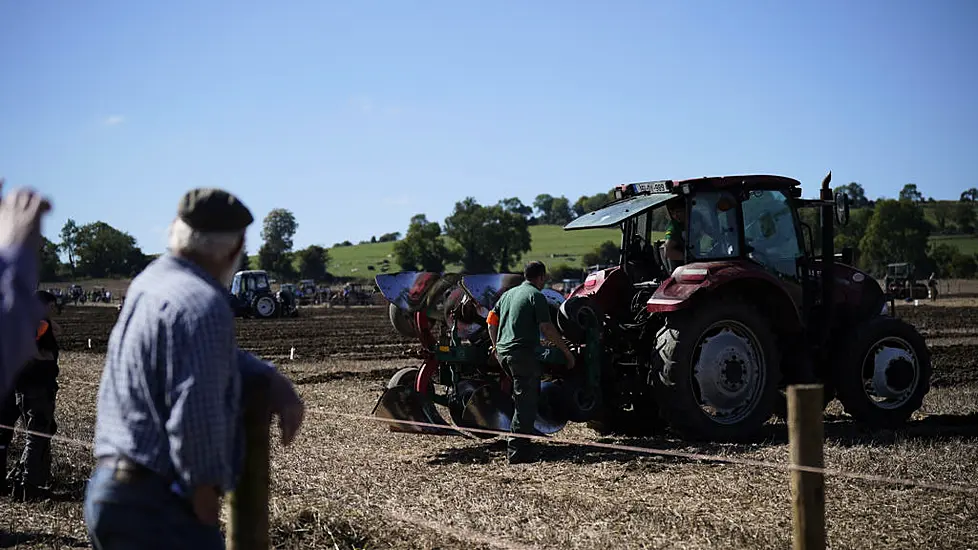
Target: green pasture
x=967 y=244
x=551 y=245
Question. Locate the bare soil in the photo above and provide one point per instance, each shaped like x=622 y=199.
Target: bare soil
x=349 y=483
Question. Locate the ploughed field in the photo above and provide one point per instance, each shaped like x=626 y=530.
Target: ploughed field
x=349 y=483
x=356 y=332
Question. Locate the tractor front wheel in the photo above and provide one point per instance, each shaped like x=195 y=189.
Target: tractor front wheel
x=720 y=371
x=886 y=374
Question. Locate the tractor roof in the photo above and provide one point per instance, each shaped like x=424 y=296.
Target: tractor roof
x=633 y=199
x=252 y=272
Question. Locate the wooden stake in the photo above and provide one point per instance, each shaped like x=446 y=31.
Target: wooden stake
x=248 y=525
x=806 y=435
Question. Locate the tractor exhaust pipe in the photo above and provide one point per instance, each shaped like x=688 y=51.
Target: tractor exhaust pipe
x=828 y=261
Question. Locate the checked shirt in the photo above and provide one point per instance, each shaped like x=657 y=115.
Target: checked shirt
x=170 y=395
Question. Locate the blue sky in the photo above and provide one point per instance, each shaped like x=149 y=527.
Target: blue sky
x=357 y=115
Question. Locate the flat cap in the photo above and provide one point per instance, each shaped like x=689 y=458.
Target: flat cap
x=209 y=209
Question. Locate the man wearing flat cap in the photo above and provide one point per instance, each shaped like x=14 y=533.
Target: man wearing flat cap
x=168 y=433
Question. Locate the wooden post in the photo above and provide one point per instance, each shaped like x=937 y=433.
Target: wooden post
x=805 y=436
x=248 y=525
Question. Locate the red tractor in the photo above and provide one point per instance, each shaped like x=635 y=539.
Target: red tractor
x=706 y=342
x=710 y=342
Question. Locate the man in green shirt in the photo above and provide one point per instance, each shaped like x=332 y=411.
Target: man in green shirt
x=515 y=325
x=675 y=241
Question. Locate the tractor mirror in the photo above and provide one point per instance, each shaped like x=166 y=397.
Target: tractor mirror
x=842 y=208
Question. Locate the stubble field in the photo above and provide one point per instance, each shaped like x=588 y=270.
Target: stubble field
x=349 y=483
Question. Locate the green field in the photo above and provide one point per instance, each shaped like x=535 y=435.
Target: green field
x=551 y=245
x=967 y=244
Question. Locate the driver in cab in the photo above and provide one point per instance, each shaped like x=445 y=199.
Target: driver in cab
x=676 y=231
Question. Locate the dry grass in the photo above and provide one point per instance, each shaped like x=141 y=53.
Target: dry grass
x=351 y=484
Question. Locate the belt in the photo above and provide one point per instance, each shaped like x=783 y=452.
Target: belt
x=124 y=469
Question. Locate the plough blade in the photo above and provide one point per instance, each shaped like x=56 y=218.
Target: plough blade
x=404 y=403
x=489 y=409
x=484 y=407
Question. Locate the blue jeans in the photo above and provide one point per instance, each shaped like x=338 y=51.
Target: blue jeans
x=143 y=514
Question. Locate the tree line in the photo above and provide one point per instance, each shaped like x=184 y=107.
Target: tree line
x=897 y=230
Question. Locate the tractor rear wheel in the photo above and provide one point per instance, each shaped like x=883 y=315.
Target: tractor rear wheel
x=264 y=307
x=720 y=371
x=886 y=373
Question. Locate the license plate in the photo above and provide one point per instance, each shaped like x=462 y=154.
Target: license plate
x=651 y=187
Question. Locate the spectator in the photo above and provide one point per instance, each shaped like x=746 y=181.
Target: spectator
x=20 y=312
x=36 y=390
x=168 y=432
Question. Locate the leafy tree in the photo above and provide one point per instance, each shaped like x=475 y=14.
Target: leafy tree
x=857 y=195
x=587 y=204
x=275 y=254
x=910 y=193
x=388 y=237
x=970 y=195
x=964 y=216
x=943 y=256
x=422 y=247
x=487 y=236
x=50 y=263
x=897 y=232
x=69 y=242
x=102 y=251
x=942 y=214
x=313 y=261
x=564 y=271
x=516 y=206
x=278 y=229
x=278 y=263
x=543 y=204
x=553 y=210
x=560 y=211
x=964 y=266
x=607 y=253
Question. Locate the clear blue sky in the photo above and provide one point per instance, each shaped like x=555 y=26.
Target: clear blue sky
x=357 y=115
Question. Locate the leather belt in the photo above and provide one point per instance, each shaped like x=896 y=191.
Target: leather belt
x=124 y=469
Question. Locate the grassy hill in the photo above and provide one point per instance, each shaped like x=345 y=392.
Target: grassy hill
x=551 y=245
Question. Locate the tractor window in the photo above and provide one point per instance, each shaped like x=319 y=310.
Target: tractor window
x=236 y=285
x=770 y=232
x=249 y=284
x=713 y=227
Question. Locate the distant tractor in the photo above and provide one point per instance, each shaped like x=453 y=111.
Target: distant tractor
x=355 y=294
x=251 y=296
x=902 y=282
x=308 y=292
